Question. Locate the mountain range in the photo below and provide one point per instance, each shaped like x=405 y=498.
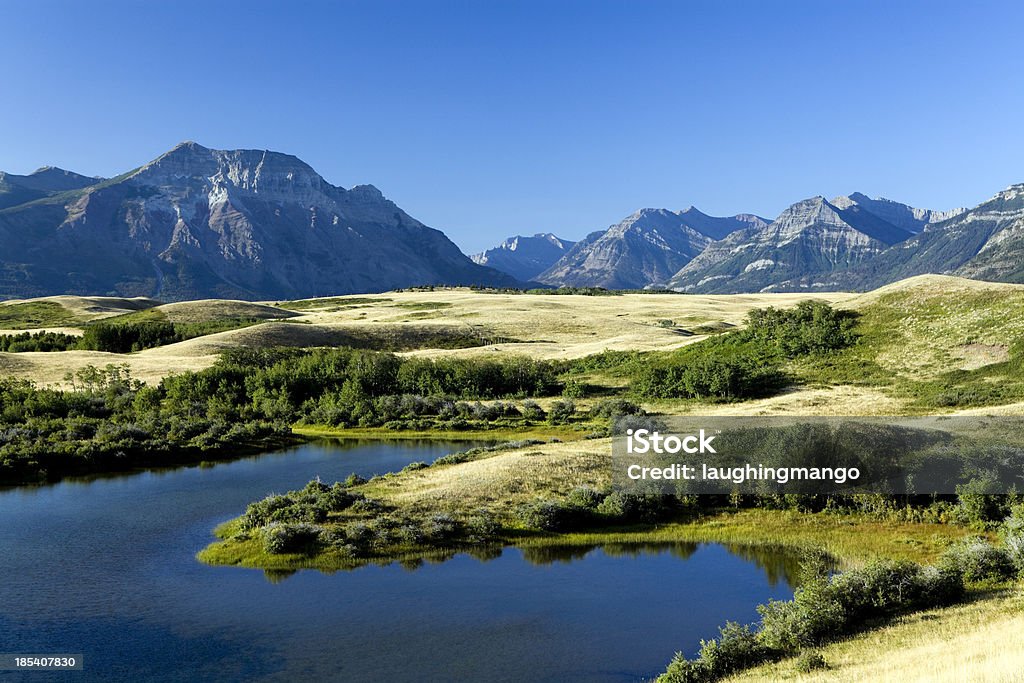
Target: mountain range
x=254 y=224
x=852 y=242
x=201 y=223
x=525 y=258
x=645 y=249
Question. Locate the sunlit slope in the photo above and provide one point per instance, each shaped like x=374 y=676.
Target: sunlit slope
x=981 y=641
x=916 y=330
x=65 y=312
x=452 y=321
x=933 y=323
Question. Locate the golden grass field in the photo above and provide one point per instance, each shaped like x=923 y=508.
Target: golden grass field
x=543 y=326
x=931 y=324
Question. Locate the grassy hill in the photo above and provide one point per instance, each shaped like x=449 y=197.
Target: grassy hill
x=929 y=343
x=65 y=311
x=444 y=322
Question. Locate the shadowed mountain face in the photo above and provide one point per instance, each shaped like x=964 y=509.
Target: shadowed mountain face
x=524 y=258
x=901 y=215
x=46 y=182
x=984 y=243
x=245 y=224
x=644 y=250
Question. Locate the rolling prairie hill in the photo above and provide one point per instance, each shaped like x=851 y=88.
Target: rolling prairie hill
x=451 y=321
x=914 y=332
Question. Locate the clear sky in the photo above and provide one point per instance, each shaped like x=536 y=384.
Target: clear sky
x=487 y=119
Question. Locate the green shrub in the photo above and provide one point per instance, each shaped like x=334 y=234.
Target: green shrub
x=978 y=561
x=1013 y=537
x=291 y=538
x=614 y=407
x=532 y=411
x=585 y=498
x=715 y=369
x=630 y=507
x=736 y=648
x=812 y=327
x=978 y=504
x=574 y=389
x=354 y=480
x=683 y=670
x=561 y=412
x=482 y=526
x=810 y=660
x=547 y=515
x=440 y=528
x=807 y=619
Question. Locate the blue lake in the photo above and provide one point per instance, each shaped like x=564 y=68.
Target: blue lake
x=107 y=568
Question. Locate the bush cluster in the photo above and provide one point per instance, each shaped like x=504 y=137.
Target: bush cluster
x=720 y=369
x=1013 y=537
x=745 y=363
x=812 y=327
x=821 y=610
x=611 y=408
x=312 y=505
x=980 y=562
x=586 y=507
x=308 y=520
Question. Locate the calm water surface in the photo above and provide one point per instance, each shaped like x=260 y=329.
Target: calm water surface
x=106 y=568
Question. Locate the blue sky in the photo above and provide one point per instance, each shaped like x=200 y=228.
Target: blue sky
x=487 y=119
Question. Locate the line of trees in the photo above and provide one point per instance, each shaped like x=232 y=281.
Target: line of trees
x=118 y=336
x=109 y=421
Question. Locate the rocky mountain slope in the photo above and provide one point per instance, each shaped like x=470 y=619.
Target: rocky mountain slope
x=902 y=216
x=985 y=243
x=644 y=250
x=198 y=222
x=811 y=238
x=524 y=258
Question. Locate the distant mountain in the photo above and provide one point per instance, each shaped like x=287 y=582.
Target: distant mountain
x=645 y=249
x=985 y=243
x=198 y=222
x=524 y=258
x=717 y=227
x=901 y=215
x=45 y=182
x=811 y=238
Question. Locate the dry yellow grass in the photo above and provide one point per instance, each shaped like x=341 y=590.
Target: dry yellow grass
x=50 y=368
x=545 y=326
x=204 y=310
x=941 y=322
x=503 y=480
x=979 y=642
x=835 y=400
